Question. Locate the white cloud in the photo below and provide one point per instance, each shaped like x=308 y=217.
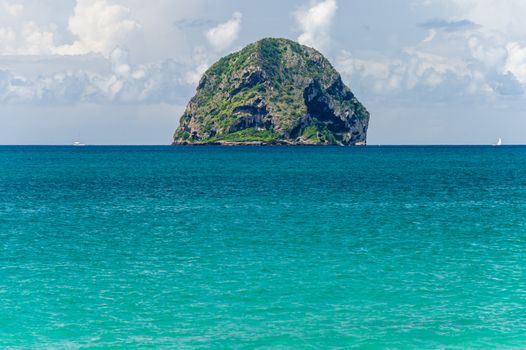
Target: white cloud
x=504 y=16
x=201 y=62
x=478 y=47
x=223 y=35
x=415 y=71
x=30 y=39
x=479 y=51
x=516 y=61
x=7 y=40
x=315 y=23
x=119 y=59
x=194 y=76
x=36 y=40
x=14 y=10
x=160 y=82
x=489 y=51
x=98 y=25
x=430 y=36
x=498 y=42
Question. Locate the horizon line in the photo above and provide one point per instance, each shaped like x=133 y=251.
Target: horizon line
x=229 y=146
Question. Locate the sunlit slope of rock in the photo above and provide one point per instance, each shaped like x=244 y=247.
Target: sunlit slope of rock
x=274 y=91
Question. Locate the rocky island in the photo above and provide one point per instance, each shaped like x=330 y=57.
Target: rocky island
x=274 y=91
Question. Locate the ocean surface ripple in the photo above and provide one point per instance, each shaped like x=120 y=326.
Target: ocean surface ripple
x=262 y=247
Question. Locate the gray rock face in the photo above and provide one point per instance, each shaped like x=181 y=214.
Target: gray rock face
x=327 y=108
x=274 y=91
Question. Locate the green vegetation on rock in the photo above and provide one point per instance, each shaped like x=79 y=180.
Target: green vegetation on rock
x=246 y=135
x=274 y=91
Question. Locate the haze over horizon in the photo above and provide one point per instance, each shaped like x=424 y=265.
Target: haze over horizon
x=121 y=72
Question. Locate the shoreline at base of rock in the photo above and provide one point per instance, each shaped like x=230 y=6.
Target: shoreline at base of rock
x=260 y=143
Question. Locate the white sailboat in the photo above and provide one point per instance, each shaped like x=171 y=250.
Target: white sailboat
x=76 y=143
x=499 y=142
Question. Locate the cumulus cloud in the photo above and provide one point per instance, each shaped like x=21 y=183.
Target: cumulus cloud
x=502 y=23
x=477 y=70
x=201 y=62
x=103 y=28
x=29 y=39
x=516 y=61
x=418 y=72
x=506 y=17
x=160 y=82
x=498 y=41
x=480 y=55
x=426 y=72
x=12 y=9
x=479 y=48
x=223 y=35
x=98 y=26
x=315 y=23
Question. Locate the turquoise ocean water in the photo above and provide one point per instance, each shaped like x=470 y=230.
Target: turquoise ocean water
x=263 y=247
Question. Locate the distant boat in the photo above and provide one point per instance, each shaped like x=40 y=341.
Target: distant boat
x=499 y=142
x=76 y=143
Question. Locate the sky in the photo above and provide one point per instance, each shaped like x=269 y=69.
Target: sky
x=122 y=71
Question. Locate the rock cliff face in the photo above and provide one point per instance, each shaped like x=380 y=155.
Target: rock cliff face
x=274 y=91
